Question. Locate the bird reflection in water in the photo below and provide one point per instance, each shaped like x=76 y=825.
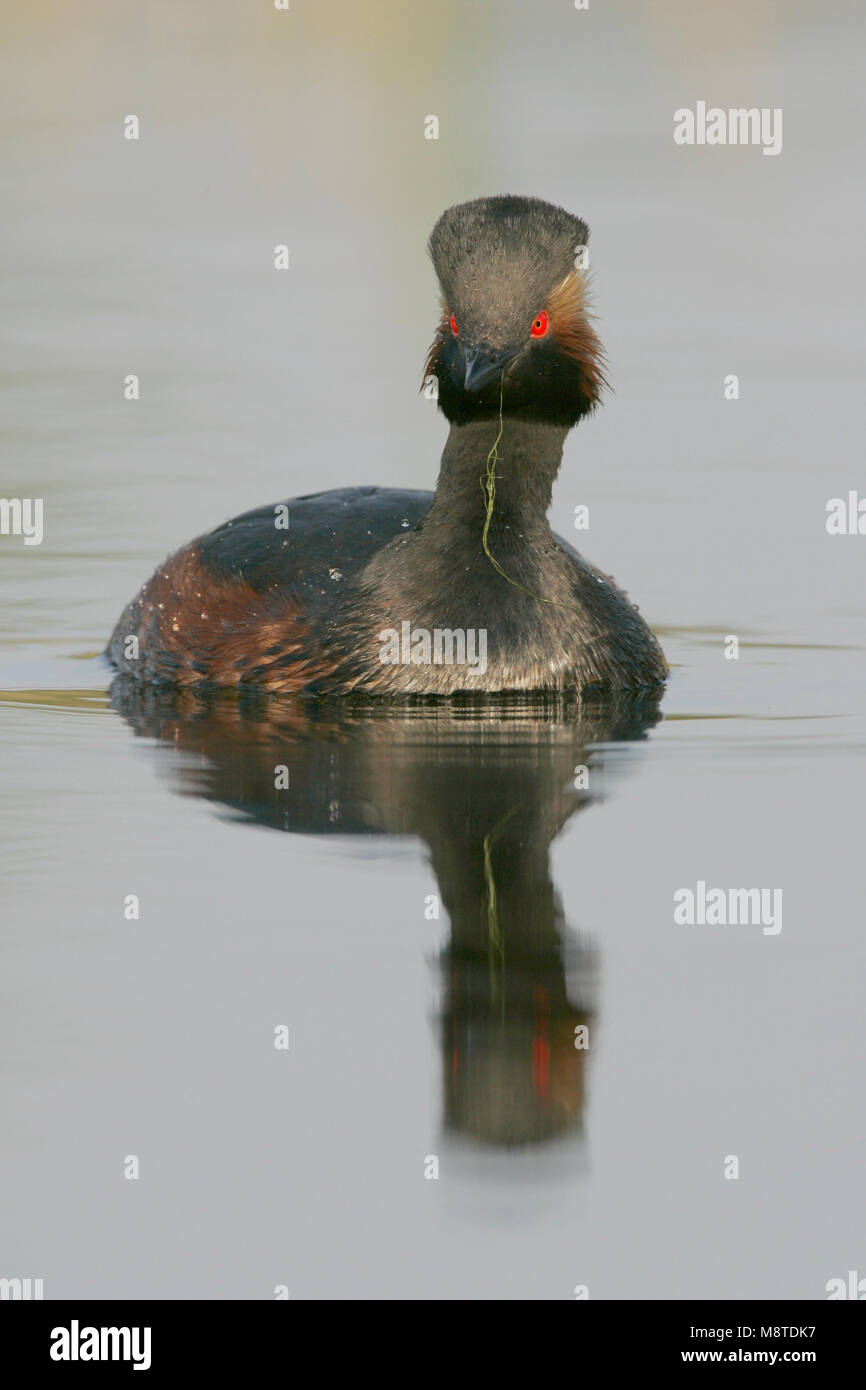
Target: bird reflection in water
x=487 y=784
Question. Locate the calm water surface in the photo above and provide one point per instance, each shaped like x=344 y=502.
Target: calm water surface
x=410 y=1035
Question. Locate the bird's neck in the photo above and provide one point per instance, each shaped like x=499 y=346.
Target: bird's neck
x=442 y=576
x=528 y=456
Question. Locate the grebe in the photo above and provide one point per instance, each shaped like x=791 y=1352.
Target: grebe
x=389 y=592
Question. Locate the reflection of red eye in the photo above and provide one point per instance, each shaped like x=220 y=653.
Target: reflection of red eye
x=454 y=325
x=540 y=324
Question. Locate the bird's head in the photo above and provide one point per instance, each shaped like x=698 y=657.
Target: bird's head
x=515 y=322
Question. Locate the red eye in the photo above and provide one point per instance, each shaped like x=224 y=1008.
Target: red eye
x=454 y=325
x=540 y=325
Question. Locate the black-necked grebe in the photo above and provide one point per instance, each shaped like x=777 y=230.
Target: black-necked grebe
x=388 y=592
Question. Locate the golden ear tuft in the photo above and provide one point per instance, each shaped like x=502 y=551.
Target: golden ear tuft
x=432 y=360
x=571 y=325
